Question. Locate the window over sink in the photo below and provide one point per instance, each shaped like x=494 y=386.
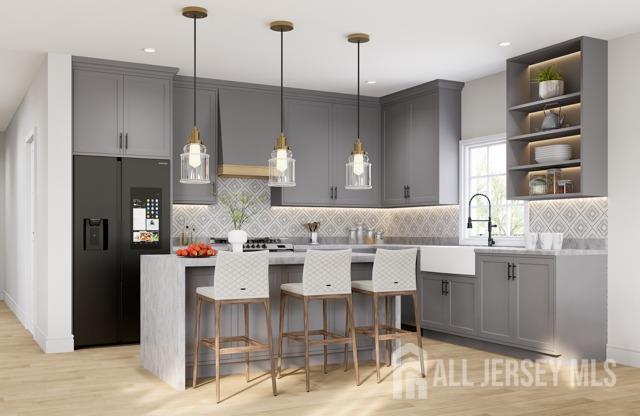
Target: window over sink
x=483 y=169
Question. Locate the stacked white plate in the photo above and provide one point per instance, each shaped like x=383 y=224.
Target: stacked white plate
x=553 y=153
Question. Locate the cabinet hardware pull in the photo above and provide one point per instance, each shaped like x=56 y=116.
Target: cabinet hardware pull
x=331 y=192
x=408 y=191
x=514 y=269
x=126 y=140
x=335 y=192
x=442 y=287
x=120 y=141
x=509 y=268
x=446 y=288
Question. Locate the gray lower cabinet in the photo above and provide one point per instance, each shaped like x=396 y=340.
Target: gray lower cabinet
x=517 y=300
x=122 y=109
x=207 y=122
x=421 y=133
x=448 y=303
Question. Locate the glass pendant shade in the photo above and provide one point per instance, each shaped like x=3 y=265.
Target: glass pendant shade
x=282 y=165
x=358 y=171
x=194 y=161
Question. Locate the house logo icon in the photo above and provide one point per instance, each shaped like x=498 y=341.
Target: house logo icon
x=408 y=383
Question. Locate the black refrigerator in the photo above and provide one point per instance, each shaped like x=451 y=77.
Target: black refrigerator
x=121 y=209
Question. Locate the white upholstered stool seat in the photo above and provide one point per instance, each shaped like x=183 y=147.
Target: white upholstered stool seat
x=394 y=274
x=239 y=278
x=326 y=275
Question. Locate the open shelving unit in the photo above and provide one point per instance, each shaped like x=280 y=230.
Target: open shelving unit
x=583 y=64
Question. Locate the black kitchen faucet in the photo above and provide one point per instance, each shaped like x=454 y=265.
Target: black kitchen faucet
x=490 y=225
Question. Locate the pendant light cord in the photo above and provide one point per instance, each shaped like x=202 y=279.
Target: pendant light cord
x=358 y=129
x=281 y=81
x=194 y=71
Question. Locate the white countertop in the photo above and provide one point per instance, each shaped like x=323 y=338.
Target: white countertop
x=276 y=258
x=519 y=251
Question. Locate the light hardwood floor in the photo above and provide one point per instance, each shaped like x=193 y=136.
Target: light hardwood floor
x=110 y=381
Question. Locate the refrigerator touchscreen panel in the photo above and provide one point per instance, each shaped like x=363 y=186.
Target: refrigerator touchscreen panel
x=145 y=217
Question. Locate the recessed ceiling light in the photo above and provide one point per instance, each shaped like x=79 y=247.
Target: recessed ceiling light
x=371 y=82
x=149 y=50
x=504 y=44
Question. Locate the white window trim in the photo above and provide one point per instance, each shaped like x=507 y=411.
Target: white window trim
x=464 y=203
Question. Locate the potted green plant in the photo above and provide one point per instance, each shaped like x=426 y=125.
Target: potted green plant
x=550 y=82
x=239 y=207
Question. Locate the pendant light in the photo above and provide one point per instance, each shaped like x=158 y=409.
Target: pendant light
x=358 y=165
x=282 y=165
x=194 y=160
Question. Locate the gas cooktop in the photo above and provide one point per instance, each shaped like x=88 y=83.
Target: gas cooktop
x=256 y=244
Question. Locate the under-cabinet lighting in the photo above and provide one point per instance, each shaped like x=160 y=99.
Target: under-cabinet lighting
x=149 y=50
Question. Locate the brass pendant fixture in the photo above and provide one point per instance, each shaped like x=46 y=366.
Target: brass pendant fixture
x=282 y=165
x=358 y=165
x=194 y=160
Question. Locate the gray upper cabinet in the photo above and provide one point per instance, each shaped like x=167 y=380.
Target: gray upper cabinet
x=182 y=124
x=344 y=135
x=396 y=150
x=97 y=115
x=307 y=126
x=147 y=116
x=420 y=144
x=121 y=109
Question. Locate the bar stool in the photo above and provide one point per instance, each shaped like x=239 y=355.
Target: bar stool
x=326 y=275
x=394 y=274
x=239 y=278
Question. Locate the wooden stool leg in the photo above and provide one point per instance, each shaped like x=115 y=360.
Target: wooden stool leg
x=376 y=333
x=352 y=330
x=324 y=327
x=217 y=319
x=267 y=313
x=347 y=333
x=416 y=311
x=387 y=317
x=283 y=303
x=306 y=341
x=196 y=343
x=246 y=334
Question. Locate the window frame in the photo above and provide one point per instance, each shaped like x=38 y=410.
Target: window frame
x=465 y=146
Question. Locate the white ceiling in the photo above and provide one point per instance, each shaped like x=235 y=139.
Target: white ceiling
x=412 y=41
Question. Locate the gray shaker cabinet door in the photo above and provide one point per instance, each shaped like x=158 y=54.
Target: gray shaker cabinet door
x=307 y=126
x=147 y=116
x=344 y=135
x=396 y=141
x=182 y=124
x=533 y=307
x=462 y=301
x=97 y=112
x=424 y=150
x=433 y=303
x=493 y=297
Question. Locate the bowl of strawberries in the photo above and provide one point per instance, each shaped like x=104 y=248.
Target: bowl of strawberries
x=197 y=250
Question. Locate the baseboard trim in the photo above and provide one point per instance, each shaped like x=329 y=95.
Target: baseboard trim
x=624 y=355
x=53 y=345
x=16 y=309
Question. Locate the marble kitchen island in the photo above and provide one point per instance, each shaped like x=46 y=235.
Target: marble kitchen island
x=168 y=286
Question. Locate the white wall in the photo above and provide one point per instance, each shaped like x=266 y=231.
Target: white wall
x=484 y=103
x=2 y=201
x=45 y=110
x=624 y=228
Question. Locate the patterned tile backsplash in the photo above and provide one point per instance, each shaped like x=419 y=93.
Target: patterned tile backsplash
x=578 y=218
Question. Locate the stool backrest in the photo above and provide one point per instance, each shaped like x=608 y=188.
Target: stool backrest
x=241 y=275
x=326 y=272
x=394 y=270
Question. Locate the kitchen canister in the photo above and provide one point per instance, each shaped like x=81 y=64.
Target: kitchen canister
x=531 y=241
x=558 y=238
x=546 y=241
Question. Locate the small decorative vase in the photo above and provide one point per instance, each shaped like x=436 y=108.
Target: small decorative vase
x=553 y=88
x=237 y=238
x=314 y=237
